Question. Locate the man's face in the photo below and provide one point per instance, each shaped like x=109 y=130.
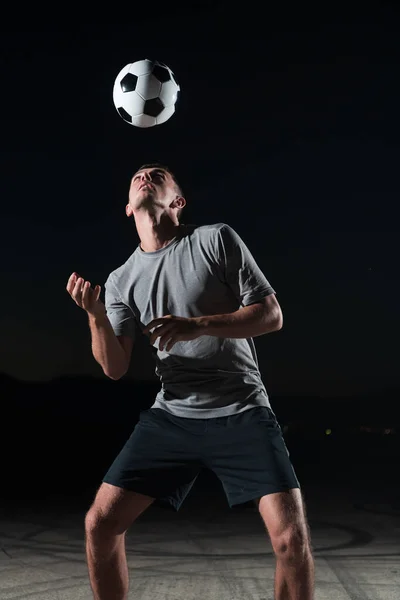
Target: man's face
x=151 y=186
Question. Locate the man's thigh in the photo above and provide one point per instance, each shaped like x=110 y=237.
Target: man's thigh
x=157 y=461
x=247 y=452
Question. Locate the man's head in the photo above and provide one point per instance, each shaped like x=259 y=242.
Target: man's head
x=153 y=187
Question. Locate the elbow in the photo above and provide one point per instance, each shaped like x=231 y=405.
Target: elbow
x=279 y=321
x=114 y=375
x=271 y=315
x=276 y=322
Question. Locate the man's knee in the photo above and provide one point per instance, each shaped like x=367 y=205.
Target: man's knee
x=96 y=523
x=113 y=511
x=292 y=545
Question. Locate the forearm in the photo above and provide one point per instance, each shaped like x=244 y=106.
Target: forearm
x=106 y=348
x=247 y=322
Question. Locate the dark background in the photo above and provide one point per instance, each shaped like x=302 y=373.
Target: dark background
x=287 y=128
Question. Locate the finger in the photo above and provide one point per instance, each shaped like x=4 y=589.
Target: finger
x=156 y=333
x=153 y=324
x=160 y=331
x=71 y=283
x=86 y=293
x=77 y=292
x=164 y=339
x=97 y=291
x=171 y=342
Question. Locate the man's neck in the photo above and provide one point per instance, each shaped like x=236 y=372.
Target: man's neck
x=152 y=240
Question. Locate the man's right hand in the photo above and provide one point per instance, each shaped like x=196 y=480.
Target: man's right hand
x=85 y=296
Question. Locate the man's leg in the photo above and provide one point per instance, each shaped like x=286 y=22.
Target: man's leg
x=248 y=454
x=284 y=517
x=113 y=511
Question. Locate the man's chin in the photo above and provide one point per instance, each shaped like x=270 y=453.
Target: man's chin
x=145 y=193
x=143 y=201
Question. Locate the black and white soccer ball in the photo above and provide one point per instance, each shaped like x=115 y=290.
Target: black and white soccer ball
x=145 y=93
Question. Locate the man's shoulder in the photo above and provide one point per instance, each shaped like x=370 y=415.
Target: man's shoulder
x=121 y=272
x=212 y=236
x=207 y=229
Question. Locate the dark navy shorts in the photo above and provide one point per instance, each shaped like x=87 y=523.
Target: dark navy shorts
x=165 y=454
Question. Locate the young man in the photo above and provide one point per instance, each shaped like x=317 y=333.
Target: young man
x=199 y=295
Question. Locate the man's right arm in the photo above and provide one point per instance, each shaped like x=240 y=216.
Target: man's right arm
x=111 y=352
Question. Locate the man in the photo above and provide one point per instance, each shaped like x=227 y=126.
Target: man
x=199 y=295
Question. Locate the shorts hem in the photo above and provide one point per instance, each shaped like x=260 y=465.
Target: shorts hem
x=160 y=501
x=255 y=496
x=128 y=488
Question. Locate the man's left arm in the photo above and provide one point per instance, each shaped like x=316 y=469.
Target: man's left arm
x=250 y=321
x=259 y=311
x=263 y=316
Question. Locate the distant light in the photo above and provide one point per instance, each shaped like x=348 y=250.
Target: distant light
x=328 y=431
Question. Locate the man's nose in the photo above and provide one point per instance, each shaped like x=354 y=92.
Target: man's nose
x=146 y=176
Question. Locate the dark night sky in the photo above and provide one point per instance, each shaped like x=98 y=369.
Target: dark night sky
x=287 y=131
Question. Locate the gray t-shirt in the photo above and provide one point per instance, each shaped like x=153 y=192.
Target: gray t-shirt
x=205 y=270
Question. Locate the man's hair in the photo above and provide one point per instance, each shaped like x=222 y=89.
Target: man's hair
x=167 y=170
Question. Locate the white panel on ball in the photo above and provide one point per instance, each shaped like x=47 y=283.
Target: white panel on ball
x=166 y=114
x=144 y=121
x=148 y=87
x=141 y=67
x=169 y=93
x=132 y=103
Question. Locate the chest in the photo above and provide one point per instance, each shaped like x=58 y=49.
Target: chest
x=189 y=288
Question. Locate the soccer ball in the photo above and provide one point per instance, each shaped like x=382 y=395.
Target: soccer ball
x=145 y=93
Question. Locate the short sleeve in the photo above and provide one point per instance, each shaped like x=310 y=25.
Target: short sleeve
x=120 y=314
x=241 y=271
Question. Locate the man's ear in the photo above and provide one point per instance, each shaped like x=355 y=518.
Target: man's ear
x=128 y=210
x=180 y=201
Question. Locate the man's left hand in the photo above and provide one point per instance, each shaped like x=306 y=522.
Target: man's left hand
x=171 y=329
